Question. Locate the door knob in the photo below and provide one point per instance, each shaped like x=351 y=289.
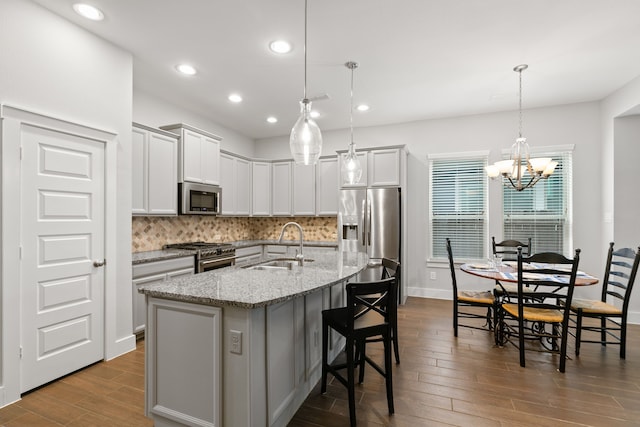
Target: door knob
x=99 y=263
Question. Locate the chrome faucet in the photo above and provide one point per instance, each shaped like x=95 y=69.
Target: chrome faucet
x=299 y=256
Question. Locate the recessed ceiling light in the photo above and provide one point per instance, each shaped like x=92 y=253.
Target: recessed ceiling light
x=280 y=46
x=362 y=107
x=88 y=11
x=314 y=114
x=272 y=119
x=186 y=69
x=234 y=97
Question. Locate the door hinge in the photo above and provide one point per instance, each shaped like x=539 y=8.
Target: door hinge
x=20 y=352
x=19 y=252
x=20 y=148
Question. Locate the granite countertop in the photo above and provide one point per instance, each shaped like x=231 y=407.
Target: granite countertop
x=306 y=243
x=161 y=254
x=245 y=288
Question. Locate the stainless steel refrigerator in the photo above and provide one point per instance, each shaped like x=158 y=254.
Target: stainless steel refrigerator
x=369 y=220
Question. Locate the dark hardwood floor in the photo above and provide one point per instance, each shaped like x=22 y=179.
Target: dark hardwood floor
x=441 y=381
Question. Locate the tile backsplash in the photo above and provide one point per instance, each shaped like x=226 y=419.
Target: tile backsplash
x=151 y=233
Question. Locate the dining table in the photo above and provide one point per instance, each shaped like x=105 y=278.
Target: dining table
x=507 y=271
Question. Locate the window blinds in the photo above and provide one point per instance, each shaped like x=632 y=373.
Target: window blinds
x=542 y=212
x=457 y=206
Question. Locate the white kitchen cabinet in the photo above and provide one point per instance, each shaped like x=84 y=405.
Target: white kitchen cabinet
x=362 y=156
x=281 y=188
x=313 y=323
x=198 y=154
x=248 y=255
x=153 y=272
x=242 y=186
x=154 y=171
x=384 y=167
x=235 y=181
x=260 y=188
x=227 y=183
x=327 y=186
x=304 y=190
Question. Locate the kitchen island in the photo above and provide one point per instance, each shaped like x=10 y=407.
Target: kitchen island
x=240 y=346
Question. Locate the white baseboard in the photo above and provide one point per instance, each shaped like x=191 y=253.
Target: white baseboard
x=120 y=347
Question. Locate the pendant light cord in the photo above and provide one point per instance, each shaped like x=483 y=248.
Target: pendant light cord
x=305 y=49
x=351 y=110
x=520 y=105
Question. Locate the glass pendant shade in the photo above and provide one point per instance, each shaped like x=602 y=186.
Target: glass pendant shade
x=351 y=167
x=305 y=140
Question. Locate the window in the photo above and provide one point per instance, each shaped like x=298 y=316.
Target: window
x=457 y=205
x=544 y=211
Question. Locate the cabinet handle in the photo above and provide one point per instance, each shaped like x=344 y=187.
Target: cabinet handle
x=99 y=263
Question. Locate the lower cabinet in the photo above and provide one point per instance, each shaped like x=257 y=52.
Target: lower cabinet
x=248 y=255
x=151 y=272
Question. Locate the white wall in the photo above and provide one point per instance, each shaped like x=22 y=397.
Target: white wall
x=50 y=66
x=155 y=112
x=620 y=145
x=577 y=124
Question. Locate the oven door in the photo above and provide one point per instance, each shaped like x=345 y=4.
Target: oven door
x=212 y=264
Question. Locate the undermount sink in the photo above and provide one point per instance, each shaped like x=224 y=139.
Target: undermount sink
x=276 y=264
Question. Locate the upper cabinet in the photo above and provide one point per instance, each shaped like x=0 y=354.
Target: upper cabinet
x=327 y=186
x=261 y=188
x=281 y=188
x=304 y=190
x=198 y=154
x=384 y=168
x=381 y=167
x=154 y=171
x=235 y=181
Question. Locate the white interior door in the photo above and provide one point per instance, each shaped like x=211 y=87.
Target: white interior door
x=62 y=235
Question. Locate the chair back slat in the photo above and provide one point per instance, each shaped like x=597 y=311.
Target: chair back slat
x=620 y=274
x=509 y=248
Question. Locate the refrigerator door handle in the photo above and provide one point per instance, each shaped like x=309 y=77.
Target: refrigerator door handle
x=364 y=223
x=369 y=222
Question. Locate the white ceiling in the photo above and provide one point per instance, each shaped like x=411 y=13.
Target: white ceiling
x=419 y=59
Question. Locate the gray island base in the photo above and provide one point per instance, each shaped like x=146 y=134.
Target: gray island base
x=240 y=347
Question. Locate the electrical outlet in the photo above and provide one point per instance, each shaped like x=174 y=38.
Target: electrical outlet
x=235 y=341
x=433 y=275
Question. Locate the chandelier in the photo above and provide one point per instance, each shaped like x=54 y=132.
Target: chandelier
x=521 y=170
x=305 y=140
x=351 y=167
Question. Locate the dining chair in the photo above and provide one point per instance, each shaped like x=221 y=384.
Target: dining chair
x=613 y=306
x=361 y=319
x=390 y=268
x=508 y=250
x=540 y=322
x=465 y=302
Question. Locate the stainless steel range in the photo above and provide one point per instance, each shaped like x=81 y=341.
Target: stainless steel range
x=209 y=256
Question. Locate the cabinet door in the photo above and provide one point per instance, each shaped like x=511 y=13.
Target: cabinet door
x=139 y=171
x=191 y=156
x=228 y=184
x=313 y=324
x=242 y=186
x=163 y=175
x=362 y=156
x=210 y=161
x=261 y=188
x=181 y=273
x=327 y=186
x=281 y=188
x=139 y=305
x=384 y=167
x=304 y=190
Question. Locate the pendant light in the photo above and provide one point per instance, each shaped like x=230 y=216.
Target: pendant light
x=351 y=168
x=305 y=140
x=520 y=163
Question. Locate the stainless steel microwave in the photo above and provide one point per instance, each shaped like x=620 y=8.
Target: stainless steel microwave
x=199 y=199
